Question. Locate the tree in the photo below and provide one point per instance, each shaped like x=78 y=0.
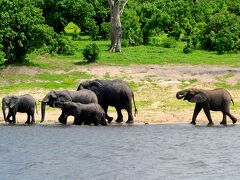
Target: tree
x=116 y=10
x=22 y=29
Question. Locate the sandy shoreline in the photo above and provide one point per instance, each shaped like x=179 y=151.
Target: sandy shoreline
x=155 y=92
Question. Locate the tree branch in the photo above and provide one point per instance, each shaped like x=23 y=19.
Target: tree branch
x=111 y=3
x=122 y=8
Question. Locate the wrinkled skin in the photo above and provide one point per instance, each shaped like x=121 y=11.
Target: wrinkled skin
x=24 y=104
x=216 y=100
x=114 y=93
x=84 y=96
x=84 y=113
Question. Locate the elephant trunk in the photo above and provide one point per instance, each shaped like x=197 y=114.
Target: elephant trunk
x=4 y=112
x=181 y=94
x=43 y=108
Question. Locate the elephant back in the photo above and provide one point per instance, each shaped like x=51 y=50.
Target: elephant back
x=84 y=96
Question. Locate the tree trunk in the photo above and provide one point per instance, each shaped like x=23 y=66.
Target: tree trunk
x=116 y=7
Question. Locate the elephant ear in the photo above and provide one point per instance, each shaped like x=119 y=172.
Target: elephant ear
x=13 y=101
x=96 y=87
x=199 y=98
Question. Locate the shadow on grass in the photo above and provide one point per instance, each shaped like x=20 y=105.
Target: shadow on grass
x=81 y=63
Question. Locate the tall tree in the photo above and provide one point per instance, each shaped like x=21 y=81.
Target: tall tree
x=116 y=9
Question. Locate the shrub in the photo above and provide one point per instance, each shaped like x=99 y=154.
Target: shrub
x=72 y=30
x=22 y=29
x=91 y=52
x=187 y=49
x=61 y=45
x=163 y=40
x=168 y=42
x=105 y=30
x=221 y=33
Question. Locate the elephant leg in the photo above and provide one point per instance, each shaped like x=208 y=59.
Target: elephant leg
x=8 y=117
x=28 y=119
x=224 y=120
x=77 y=121
x=130 y=115
x=197 y=109
x=14 y=118
x=63 y=118
x=227 y=112
x=105 y=108
x=207 y=112
x=119 y=115
x=234 y=119
x=33 y=118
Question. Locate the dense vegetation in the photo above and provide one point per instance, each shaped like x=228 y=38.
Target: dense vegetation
x=53 y=25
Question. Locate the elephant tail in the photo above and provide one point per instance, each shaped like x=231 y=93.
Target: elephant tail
x=232 y=101
x=135 y=109
x=36 y=108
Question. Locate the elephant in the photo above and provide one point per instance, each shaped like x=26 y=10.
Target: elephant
x=84 y=113
x=217 y=99
x=24 y=104
x=112 y=93
x=83 y=96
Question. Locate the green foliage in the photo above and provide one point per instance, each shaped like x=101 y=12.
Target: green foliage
x=22 y=29
x=105 y=30
x=222 y=32
x=132 y=34
x=187 y=49
x=162 y=41
x=91 y=52
x=61 y=45
x=72 y=30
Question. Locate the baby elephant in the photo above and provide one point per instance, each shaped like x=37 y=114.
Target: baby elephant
x=84 y=113
x=24 y=104
x=216 y=100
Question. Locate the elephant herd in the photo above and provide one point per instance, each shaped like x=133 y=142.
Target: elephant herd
x=89 y=104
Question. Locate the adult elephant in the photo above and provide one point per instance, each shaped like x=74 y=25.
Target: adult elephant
x=24 y=104
x=112 y=93
x=54 y=97
x=216 y=100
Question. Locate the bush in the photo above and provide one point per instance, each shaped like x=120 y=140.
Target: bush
x=169 y=42
x=105 y=30
x=187 y=49
x=162 y=41
x=221 y=33
x=91 y=52
x=72 y=30
x=22 y=29
x=61 y=45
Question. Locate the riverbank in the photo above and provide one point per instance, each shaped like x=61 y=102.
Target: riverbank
x=154 y=86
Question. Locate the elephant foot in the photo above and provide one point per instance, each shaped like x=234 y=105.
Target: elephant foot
x=130 y=121
x=119 y=120
x=223 y=123
x=210 y=124
x=234 y=121
x=193 y=122
x=11 y=122
x=109 y=119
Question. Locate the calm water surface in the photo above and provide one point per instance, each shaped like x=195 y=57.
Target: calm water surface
x=119 y=152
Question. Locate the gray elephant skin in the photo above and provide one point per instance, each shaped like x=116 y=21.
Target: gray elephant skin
x=216 y=100
x=84 y=113
x=51 y=99
x=23 y=104
x=112 y=93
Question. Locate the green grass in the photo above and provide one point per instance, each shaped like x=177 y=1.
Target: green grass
x=43 y=81
x=135 y=55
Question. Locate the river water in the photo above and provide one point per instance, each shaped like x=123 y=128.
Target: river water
x=119 y=152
